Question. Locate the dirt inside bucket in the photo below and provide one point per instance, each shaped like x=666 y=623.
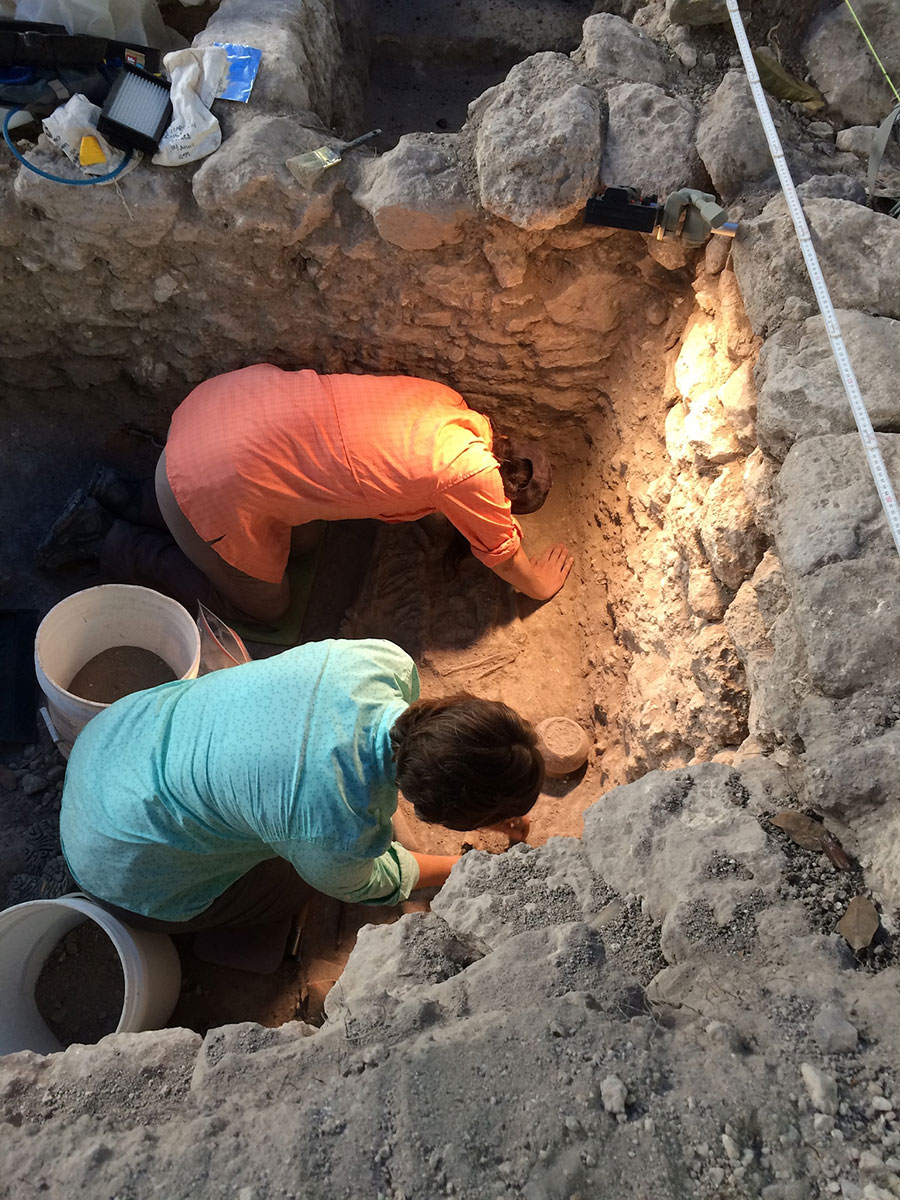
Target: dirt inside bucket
x=81 y=988
x=119 y=671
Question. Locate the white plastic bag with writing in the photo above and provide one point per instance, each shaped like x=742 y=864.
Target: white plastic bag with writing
x=194 y=132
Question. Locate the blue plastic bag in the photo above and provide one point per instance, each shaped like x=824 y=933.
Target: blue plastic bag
x=243 y=64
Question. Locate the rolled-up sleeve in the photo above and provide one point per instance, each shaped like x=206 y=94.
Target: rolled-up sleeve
x=480 y=510
x=388 y=879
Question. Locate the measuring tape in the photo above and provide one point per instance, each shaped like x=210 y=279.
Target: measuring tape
x=832 y=328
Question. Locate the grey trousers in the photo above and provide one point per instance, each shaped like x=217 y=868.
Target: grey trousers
x=271 y=891
x=165 y=552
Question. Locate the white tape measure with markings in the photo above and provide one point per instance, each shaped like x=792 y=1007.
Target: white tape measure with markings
x=823 y=298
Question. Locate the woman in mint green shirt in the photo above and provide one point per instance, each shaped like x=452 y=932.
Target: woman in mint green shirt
x=221 y=800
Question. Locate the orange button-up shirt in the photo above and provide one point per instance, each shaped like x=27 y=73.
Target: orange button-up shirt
x=252 y=453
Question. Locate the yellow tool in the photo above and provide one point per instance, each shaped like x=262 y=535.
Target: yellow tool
x=89 y=152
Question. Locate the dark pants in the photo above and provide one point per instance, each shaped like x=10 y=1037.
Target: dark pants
x=270 y=892
x=162 y=550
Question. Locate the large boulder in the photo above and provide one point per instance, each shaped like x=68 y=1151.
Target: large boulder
x=415 y=195
x=730 y=139
x=246 y=184
x=614 y=51
x=826 y=507
x=650 y=141
x=139 y=210
x=538 y=143
x=800 y=390
x=858 y=251
x=687 y=843
x=302 y=55
x=842 y=66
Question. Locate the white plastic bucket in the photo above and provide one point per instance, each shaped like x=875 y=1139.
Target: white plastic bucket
x=29 y=932
x=114 y=614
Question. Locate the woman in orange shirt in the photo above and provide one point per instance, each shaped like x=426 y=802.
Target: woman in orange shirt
x=255 y=453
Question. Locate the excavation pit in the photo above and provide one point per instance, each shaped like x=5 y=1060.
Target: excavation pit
x=629 y=359
x=618 y=649
x=695 y=1020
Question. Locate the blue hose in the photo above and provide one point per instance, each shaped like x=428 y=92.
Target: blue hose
x=58 y=178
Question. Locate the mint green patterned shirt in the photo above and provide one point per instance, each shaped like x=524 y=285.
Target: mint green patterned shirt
x=174 y=793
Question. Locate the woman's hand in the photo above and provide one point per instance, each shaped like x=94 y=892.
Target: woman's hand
x=541 y=577
x=551 y=569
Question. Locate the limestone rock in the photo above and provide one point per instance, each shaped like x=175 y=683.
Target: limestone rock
x=778 y=681
x=759 y=481
x=852 y=759
x=833 y=1032
x=670 y=254
x=707 y=431
x=498 y=895
x=394 y=959
x=716 y=671
x=857 y=139
x=700 y=366
x=658 y=833
x=730 y=139
x=737 y=396
x=539 y=143
x=415 y=195
x=106 y=214
x=650 y=141
x=827 y=509
x=841 y=65
x=821 y=1087
x=697 y=12
x=246 y=184
x=613 y=1094
x=800 y=390
x=746 y=625
x=507 y=258
x=301 y=47
x=832 y=187
x=770 y=267
x=615 y=51
x=848 y=616
x=735 y=341
x=705 y=596
x=728 y=531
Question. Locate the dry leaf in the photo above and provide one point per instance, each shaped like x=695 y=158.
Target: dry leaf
x=801 y=829
x=782 y=85
x=859 y=923
x=835 y=852
x=812 y=835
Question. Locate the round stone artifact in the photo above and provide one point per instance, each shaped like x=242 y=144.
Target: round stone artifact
x=564 y=745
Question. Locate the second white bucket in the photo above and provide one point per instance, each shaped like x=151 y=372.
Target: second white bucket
x=29 y=932
x=114 y=614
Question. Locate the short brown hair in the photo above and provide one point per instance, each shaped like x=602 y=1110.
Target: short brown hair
x=525 y=470
x=464 y=762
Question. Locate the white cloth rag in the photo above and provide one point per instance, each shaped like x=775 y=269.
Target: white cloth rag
x=196 y=76
x=77 y=118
